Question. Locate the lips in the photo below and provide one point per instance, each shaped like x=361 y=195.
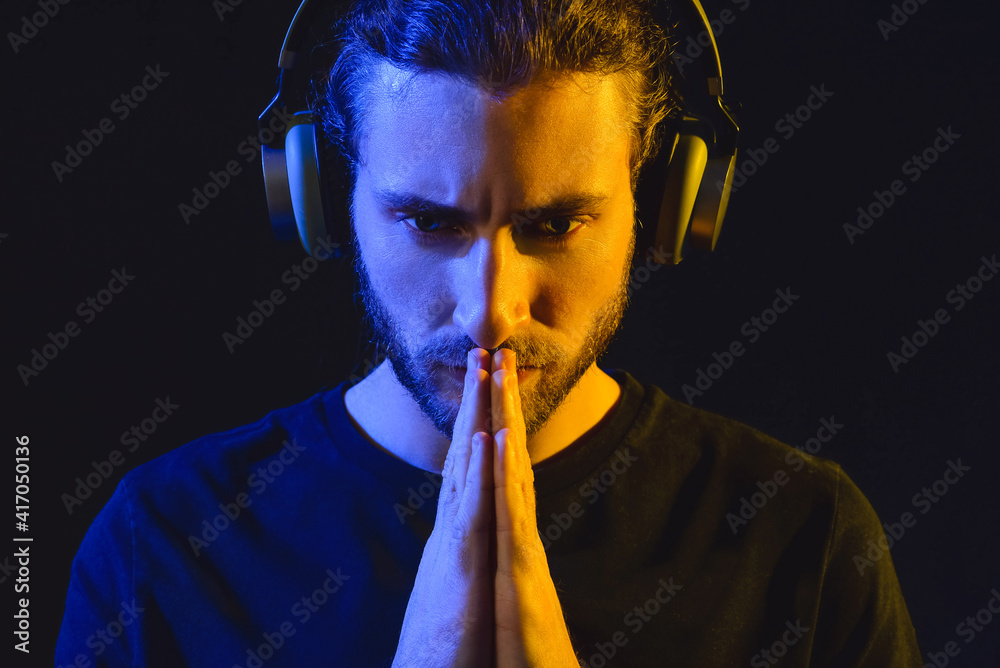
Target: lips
x=459 y=371
x=462 y=369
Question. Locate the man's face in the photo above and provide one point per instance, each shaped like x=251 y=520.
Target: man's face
x=493 y=224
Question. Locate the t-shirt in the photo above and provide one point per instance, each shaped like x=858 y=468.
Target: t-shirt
x=675 y=537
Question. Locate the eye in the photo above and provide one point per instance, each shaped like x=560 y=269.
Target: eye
x=424 y=223
x=557 y=227
x=429 y=227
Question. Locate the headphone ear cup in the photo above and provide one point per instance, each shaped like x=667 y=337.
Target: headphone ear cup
x=304 y=184
x=279 y=199
x=684 y=181
x=713 y=200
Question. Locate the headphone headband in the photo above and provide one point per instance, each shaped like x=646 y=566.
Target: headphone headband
x=298 y=29
x=703 y=155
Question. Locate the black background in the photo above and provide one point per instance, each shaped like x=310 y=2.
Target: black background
x=827 y=357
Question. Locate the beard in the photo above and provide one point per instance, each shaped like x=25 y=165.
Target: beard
x=416 y=367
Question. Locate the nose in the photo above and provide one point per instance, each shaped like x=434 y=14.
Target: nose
x=493 y=285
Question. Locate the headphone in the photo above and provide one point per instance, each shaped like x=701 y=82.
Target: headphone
x=686 y=191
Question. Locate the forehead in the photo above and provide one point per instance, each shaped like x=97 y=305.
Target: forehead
x=437 y=134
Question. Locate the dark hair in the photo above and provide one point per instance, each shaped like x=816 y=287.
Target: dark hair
x=501 y=46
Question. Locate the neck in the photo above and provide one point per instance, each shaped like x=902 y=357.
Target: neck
x=411 y=436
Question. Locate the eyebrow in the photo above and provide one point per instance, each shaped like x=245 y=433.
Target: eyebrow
x=563 y=205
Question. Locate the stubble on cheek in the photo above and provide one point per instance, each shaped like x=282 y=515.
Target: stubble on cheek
x=416 y=361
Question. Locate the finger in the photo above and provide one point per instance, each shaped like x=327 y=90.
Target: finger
x=516 y=416
x=513 y=475
x=507 y=506
x=497 y=389
x=521 y=471
x=477 y=485
x=505 y=403
x=471 y=416
x=475 y=511
x=517 y=481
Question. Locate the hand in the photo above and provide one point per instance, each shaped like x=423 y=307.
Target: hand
x=530 y=630
x=449 y=617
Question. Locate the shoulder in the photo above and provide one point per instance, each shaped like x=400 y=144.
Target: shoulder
x=758 y=487
x=734 y=451
x=222 y=464
x=743 y=512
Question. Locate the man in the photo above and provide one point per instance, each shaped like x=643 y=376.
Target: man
x=489 y=495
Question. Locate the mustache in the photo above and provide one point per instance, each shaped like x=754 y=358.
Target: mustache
x=453 y=352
